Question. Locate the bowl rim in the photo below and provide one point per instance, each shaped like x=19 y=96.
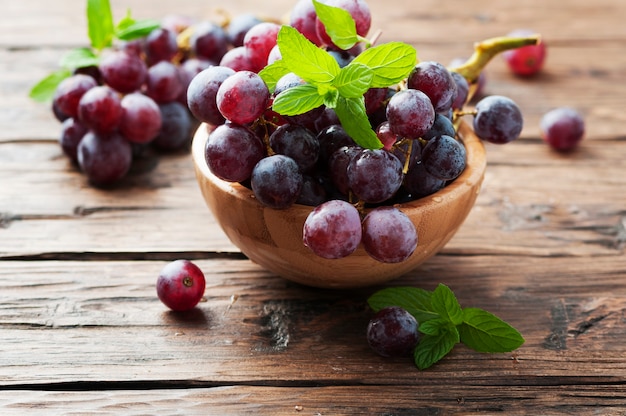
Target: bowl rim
x=473 y=173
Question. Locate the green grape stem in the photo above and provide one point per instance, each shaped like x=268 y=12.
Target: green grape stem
x=487 y=49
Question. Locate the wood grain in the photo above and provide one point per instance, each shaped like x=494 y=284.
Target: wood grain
x=82 y=331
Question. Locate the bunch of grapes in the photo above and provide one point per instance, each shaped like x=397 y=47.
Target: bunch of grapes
x=135 y=98
x=310 y=159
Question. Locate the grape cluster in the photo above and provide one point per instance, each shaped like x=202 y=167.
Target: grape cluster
x=135 y=98
x=309 y=158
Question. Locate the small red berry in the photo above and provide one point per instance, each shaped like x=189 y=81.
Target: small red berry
x=527 y=60
x=180 y=285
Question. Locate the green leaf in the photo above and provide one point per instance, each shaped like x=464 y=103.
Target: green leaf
x=353 y=118
x=415 y=300
x=390 y=62
x=44 y=90
x=79 y=58
x=331 y=97
x=339 y=25
x=303 y=58
x=297 y=100
x=272 y=73
x=446 y=305
x=100 y=23
x=433 y=348
x=484 y=332
x=136 y=29
x=353 y=80
x=434 y=326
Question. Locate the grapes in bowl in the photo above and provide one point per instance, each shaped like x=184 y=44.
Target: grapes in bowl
x=343 y=164
x=273 y=238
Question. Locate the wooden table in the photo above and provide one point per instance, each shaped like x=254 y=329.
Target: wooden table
x=83 y=332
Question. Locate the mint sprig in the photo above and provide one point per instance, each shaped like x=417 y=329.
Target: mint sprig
x=341 y=89
x=339 y=25
x=102 y=32
x=443 y=323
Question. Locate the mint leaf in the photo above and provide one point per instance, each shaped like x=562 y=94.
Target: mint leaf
x=390 y=62
x=434 y=326
x=297 y=100
x=339 y=25
x=415 y=300
x=79 y=58
x=353 y=80
x=44 y=90
x=272 y=73
x=100 y=23
x=302 y=57
x=353 y=118
x=433 y=348
x=136 y=29
x=445 y=304
x=485 y=332
x=331 y=96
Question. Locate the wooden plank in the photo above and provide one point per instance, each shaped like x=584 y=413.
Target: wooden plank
x=381 y=400
x=161 y=210
x=101 y=322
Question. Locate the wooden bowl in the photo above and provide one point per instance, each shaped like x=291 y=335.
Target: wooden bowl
x=273 y=238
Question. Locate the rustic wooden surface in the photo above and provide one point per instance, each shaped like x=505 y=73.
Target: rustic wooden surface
x=82 y=331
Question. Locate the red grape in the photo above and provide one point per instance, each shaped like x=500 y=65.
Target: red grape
x=180 y=285
x=562 y=128
x=333 y=229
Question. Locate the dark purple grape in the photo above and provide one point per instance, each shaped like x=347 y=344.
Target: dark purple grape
x=243 y=97
x=100 y=109
x=374 y=99
x=123 y=71
x=442 y=125
x=410 y=113
x=389 y=236
x=393 y=332
x=69 y=92
x=276 y=181
x=202 y=93
x=165 y=82
x=176 y=127
x=141 y=120
x=418 y=183
x=297 y=142
x=498 y=119
x=232 y=151
x=161 y=45
x=374 y=176
x=333 y=229
x=338 y=167
x=239 y=26
x=343 y=58
x=209 y=41
x=562 y=128
x=105 y=160
x=331 y=139
x=444 y=157
x=462 y=91
x=72 y=133
x=434 y=80
x=312 y=193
